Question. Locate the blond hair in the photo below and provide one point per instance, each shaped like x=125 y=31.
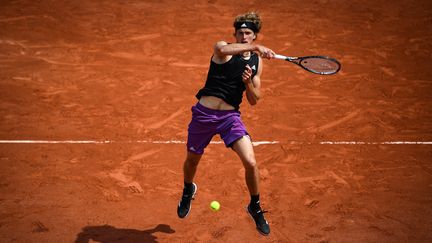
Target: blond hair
x=253 y=17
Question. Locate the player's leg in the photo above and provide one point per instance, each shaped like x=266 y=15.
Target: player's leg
x=199 y=136
x=190 y=166
x=243 y=147
x=189 y=169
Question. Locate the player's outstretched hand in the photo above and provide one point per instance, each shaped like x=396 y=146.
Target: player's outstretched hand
x=265 y=52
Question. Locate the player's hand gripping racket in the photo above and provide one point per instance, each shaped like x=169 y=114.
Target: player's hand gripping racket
x=316 y=64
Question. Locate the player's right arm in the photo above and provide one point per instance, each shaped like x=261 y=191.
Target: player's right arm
x=223 y=51
x=220 y=54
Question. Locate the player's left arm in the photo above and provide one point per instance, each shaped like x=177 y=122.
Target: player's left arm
x=253 y=85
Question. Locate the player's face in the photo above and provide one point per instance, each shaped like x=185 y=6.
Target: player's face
x=244 y=35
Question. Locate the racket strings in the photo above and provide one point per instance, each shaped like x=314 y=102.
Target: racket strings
x=320 y=65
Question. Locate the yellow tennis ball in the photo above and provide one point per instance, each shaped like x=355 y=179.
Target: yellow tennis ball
x=215 y=206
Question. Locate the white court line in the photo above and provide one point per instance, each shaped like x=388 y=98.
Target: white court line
x=54 y=141
x=213 y=142
x=374 y=143
x=110 y=141
x=256 y=143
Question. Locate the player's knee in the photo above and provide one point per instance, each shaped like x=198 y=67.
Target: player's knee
x=250 y=164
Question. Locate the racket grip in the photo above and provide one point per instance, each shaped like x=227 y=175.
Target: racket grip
x=277 y=56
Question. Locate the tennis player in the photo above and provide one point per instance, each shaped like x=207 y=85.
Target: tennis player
x=234 y=69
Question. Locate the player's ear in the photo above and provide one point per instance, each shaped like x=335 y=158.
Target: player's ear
x=254 y=38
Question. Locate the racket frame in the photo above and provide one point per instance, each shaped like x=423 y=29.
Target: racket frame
x=298 y=60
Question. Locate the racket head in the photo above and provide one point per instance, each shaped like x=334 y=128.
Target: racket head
x=320 y=64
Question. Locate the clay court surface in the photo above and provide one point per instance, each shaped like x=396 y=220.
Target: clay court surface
x=352 y=162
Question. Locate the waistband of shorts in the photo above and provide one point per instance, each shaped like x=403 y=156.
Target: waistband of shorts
x=213 y=111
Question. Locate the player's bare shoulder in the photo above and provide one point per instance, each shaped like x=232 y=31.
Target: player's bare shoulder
x=218 y=56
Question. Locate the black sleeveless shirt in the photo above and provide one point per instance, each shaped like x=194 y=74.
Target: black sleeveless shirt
x=225 y=80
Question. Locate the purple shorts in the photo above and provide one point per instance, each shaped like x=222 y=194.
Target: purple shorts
x=207 y=122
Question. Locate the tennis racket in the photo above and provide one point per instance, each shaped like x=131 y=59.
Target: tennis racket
x=316 y=64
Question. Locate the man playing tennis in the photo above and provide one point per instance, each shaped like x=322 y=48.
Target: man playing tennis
x=234 y=68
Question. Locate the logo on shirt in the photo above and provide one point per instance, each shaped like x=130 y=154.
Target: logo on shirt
x=253 y=67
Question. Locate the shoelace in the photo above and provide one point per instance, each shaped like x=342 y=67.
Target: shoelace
x=188 y=196
x=261 y=212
